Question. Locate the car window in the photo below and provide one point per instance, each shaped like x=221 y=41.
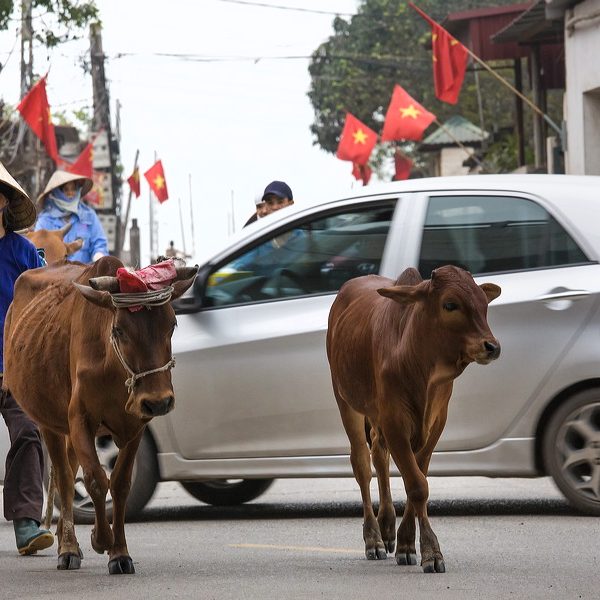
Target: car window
x=487 y=234
x=310 y=257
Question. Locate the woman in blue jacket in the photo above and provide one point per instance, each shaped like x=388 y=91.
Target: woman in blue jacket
x=60 y=203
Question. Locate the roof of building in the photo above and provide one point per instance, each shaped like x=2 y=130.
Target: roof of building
x=455 y=129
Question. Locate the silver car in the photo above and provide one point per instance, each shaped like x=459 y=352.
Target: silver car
x=252 y=387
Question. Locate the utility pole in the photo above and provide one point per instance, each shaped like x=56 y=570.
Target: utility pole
x=110 y=211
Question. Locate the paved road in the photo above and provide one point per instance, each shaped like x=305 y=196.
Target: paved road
x=505 y=538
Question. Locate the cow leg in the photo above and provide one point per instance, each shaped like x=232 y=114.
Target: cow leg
x=69 y=553
x=386 y=515
x=82 y=439
x=120 y=482
x=360 y=457
x=417 y=493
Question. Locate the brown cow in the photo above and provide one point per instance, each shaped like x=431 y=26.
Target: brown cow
x=53 y=243
x=394 y=350
x=77 y=360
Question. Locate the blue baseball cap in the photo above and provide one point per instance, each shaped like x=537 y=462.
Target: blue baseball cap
x=279 y=189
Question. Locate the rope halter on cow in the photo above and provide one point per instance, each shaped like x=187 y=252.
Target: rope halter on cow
x=146 y=300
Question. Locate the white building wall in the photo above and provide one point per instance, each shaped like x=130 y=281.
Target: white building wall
x=582 y=98
x=452 y=159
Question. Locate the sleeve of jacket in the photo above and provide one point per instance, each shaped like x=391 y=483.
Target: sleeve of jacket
x=44 y=221
x=98 y=241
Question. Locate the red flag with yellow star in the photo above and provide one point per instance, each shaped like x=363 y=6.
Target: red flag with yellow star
x=449 y=61
x=34 y=108
x=362 y=172
x=134 y=182
x=155 y=176
x=83 y=165
x=403 y=165
x=356 y=142
x=405 y=119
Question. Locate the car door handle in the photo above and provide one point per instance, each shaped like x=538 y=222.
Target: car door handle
x=564 y=294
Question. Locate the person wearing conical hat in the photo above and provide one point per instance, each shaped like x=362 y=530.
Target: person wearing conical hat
x=23 y=489
x=60 y=203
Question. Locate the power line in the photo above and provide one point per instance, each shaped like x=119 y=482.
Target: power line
x=294 y=8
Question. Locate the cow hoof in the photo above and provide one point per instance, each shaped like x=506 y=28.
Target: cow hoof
x=123 y=565
x=377 y=553
x=435 y=565
x=406 y=558
x=390 y=546
x=69 y=561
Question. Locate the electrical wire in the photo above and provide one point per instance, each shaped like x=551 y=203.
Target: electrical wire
x=294 y=8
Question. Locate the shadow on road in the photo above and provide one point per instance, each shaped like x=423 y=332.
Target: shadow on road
x=258 y=510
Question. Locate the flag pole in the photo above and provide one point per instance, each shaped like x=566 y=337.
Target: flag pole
x=458 y=142
x=192 y=215
x=126 y=220
x=499 y=77
x=181 y=225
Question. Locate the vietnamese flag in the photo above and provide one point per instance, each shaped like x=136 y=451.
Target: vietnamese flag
x=362 y=172
x=155 y=176
x=403 y=165
x=134 y=182
x=405 y=119
x=34 y=108
x=449 y=61
x=356 y=142
x=83 y=165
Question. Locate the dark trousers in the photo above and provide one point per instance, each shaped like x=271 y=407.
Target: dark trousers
x=23 y=487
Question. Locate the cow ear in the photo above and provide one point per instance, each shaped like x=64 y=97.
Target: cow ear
x=403 y=294
x=72 y=247
x=185 y=278
x=101 y=299
x=491 y=290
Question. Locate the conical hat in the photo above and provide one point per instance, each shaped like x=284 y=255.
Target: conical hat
x=20 y=213
x=60 y=178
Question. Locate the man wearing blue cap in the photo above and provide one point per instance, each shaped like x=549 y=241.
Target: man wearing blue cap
x=277 y=194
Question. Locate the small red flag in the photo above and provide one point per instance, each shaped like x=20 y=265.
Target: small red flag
x=83 y=164
x=405 y=119
x=356 y=142
x=362 y=172
x=134 y=182
x=34 y=108
x=403 y=165
x=449 y=61
x=155 y=176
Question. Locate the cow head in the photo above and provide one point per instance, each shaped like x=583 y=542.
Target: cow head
x=53 y=243
x=455 y=309
x=141 y=341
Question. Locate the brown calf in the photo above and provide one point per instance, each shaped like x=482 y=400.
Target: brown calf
x=53 y=243
x=394 y=350
x=77 y=361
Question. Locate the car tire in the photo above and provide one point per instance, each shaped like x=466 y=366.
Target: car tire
x=143 y=481
x=227 y=492
x=571 y=450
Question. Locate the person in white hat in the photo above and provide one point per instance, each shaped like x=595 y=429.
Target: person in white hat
x=60 y=203
x=23 y=489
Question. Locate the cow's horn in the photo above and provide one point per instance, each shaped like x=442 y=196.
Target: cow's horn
x=186 y=272
x=105 y=284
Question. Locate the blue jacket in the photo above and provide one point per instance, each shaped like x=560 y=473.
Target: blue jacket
x=85 y=225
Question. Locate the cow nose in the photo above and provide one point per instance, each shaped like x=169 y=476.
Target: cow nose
x=156 y=408
x=493 y=350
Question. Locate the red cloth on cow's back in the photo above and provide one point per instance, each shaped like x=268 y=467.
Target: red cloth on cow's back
x=153 y=277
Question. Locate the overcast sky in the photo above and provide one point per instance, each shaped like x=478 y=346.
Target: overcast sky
x=234 y=125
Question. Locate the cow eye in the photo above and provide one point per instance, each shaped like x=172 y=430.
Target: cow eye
x=450 y=306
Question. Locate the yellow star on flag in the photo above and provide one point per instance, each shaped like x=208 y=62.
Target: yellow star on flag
x=360 y=137
x=159 y=182
x=410 y=111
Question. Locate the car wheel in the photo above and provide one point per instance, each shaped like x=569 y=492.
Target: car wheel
x=572 y=450
x=227 y=492
x=143 y=480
